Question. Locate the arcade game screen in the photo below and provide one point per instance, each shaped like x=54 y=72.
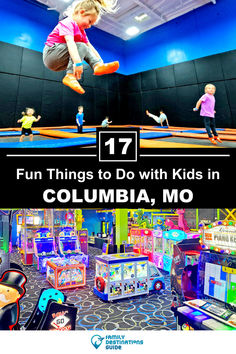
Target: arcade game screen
x=69 y=245
x=220 y=283
x=46 y=247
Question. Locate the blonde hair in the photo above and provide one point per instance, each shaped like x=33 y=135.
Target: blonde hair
x=27 y=110
x=208 y=85
x=100 y=7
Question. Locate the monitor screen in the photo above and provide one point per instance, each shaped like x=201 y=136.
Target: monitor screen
x=104 y=247
x=69 y=245
x=45 y=246
x=220 y=283
x=29 y=220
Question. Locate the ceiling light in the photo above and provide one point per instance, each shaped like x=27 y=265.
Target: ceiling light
x=141 y=17
x=132 y=31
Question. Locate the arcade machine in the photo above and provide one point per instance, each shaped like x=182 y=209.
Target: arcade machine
x=136 y=240
x=4 y=244
x=184 y=268
x=63 y=273
x=100 y=239
x=215 y=305
x=158 y=248
x=63 y=223
x=19 y=223
x=44 y=249
x=83 y=240
x=147 y=236
x=126 y=247
x=69 y=247
x=170 y=238
x=65 y=233
x=123 y=275
x=32 y=220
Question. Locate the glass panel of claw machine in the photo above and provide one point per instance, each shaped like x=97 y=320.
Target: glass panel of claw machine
x=158 y=245
x=115 y=281
x=158 y=248
x=148 y=247
x=169 y=244
x=142 y=277
x=129 y=278
x=102 y=271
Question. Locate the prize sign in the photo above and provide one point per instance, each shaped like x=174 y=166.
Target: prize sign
x=219 y=236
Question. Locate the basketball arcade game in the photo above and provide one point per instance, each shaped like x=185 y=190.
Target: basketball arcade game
x=215 y=307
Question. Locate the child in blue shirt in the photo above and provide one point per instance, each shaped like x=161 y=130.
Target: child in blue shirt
x=80 y=119
x=106 y=122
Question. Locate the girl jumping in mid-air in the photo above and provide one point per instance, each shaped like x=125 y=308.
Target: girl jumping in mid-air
x=67 y=45
x=207 y=103
x=160 y=119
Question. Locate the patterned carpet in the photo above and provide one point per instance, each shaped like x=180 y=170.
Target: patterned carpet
x=150 y=312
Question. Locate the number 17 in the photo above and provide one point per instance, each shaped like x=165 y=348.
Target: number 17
x=111 y=144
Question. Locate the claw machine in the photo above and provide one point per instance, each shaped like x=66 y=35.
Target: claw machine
x=171 y=238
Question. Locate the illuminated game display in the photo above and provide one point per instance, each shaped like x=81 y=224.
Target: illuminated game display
x=125 y=274
x=44 y=249
x=217 y=277
x=66 y=273
x=220 y=283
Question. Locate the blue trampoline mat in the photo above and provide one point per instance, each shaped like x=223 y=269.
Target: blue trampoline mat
x=85 y=130
x=153 y=135
x=16 y=133
x=50 y=143
x=160 y=127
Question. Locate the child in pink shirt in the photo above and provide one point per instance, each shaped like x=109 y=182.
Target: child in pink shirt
x=67 y=45
x=207 y=103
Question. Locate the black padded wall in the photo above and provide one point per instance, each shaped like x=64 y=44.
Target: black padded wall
x=25 y=82
x=176 y=89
